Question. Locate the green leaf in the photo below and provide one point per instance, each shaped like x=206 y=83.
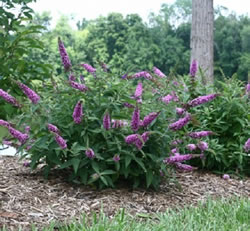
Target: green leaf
x=127 y=160
x=108 y=172
x=75 y=163
x=149 y=177
x=104 y=180
x=95 y=166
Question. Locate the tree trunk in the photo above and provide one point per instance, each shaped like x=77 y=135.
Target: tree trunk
x=202 y=37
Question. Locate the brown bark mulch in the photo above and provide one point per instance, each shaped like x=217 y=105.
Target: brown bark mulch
x=27 y=198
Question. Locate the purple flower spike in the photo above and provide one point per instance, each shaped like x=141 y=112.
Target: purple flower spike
x=131 y=138
x=180 y=123
x=90 y=153
x=177 y=158
x=8 y=98
x=179 y=111
x=158 y=72
x=106 y=121
x=64 y=55
x=193 y=68
x=203 y=145
x=247 y=146
x=135 y=122
x=88 y=68
x=77 y=114
x=60 y=141
x=198 y=135
x=78 y=86
x=22 y=137
x=139 y=90
x=191 y=147
x=166 y=99
x=248 y=88
x=53 y=128
x=27 y=129
x=4 y=123
x=116 y=158
x=33 y=97
x=202 y=99
x=148 y=119
x=184 y=167
x=143 y=74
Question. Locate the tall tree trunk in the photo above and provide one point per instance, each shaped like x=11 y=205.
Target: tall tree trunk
x=202 y=37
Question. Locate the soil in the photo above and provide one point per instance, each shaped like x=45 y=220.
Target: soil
x=27 y=198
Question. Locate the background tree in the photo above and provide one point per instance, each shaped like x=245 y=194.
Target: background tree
x=202 y=36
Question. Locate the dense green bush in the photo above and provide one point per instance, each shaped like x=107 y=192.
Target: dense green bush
x=229 y=118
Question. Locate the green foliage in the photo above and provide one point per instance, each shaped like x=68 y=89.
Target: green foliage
x=16 y=38
x=228 y=117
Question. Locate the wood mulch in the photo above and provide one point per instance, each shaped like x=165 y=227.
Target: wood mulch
x=27 y=198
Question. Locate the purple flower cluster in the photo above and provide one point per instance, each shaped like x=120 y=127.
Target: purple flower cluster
x=78 y=86
x=8 y=98
x=191 y=147
x=180 y=123
x=166 y=99
x=33 y=97
x=141 y=140
x=137 y=140
x=53 y=128
x=64 y=55
x=148 y=119
x=60 y=141
x=193 y=68
x=202 y=99
x=4 y=123
x=88 y=68
x=135 y=122
x=116 y=158
x=203 y=146
x=22 y=137
x=138 y=90
x=158 y=72
x=184 y=167
x=78 y=114
x=177 y=158
x=247 y=146
x=106 y=121
x=198 y=135
x=119 y=123
x=143 y=74
x=179 y=111
x=226 y=177
x=90 y=153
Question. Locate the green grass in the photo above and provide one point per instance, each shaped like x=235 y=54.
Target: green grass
x=219 y=215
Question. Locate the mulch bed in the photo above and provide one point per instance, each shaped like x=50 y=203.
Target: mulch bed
x=27 y=198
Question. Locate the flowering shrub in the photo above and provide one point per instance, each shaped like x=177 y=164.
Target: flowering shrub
x=228 y=118
x=106 y=128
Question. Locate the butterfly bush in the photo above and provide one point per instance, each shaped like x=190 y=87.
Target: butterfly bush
x=158 y=72
x=53 y=128
x=106 y=121
x=4 y=123
x=78 y=114
x=33 y=96
x=193 y=68
x=64 y=55
x=8 y=98
x=198 y=135
x=247 y=146
x=201 y=100
x=132 y=149
x=21 y=137
x=60 y=141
